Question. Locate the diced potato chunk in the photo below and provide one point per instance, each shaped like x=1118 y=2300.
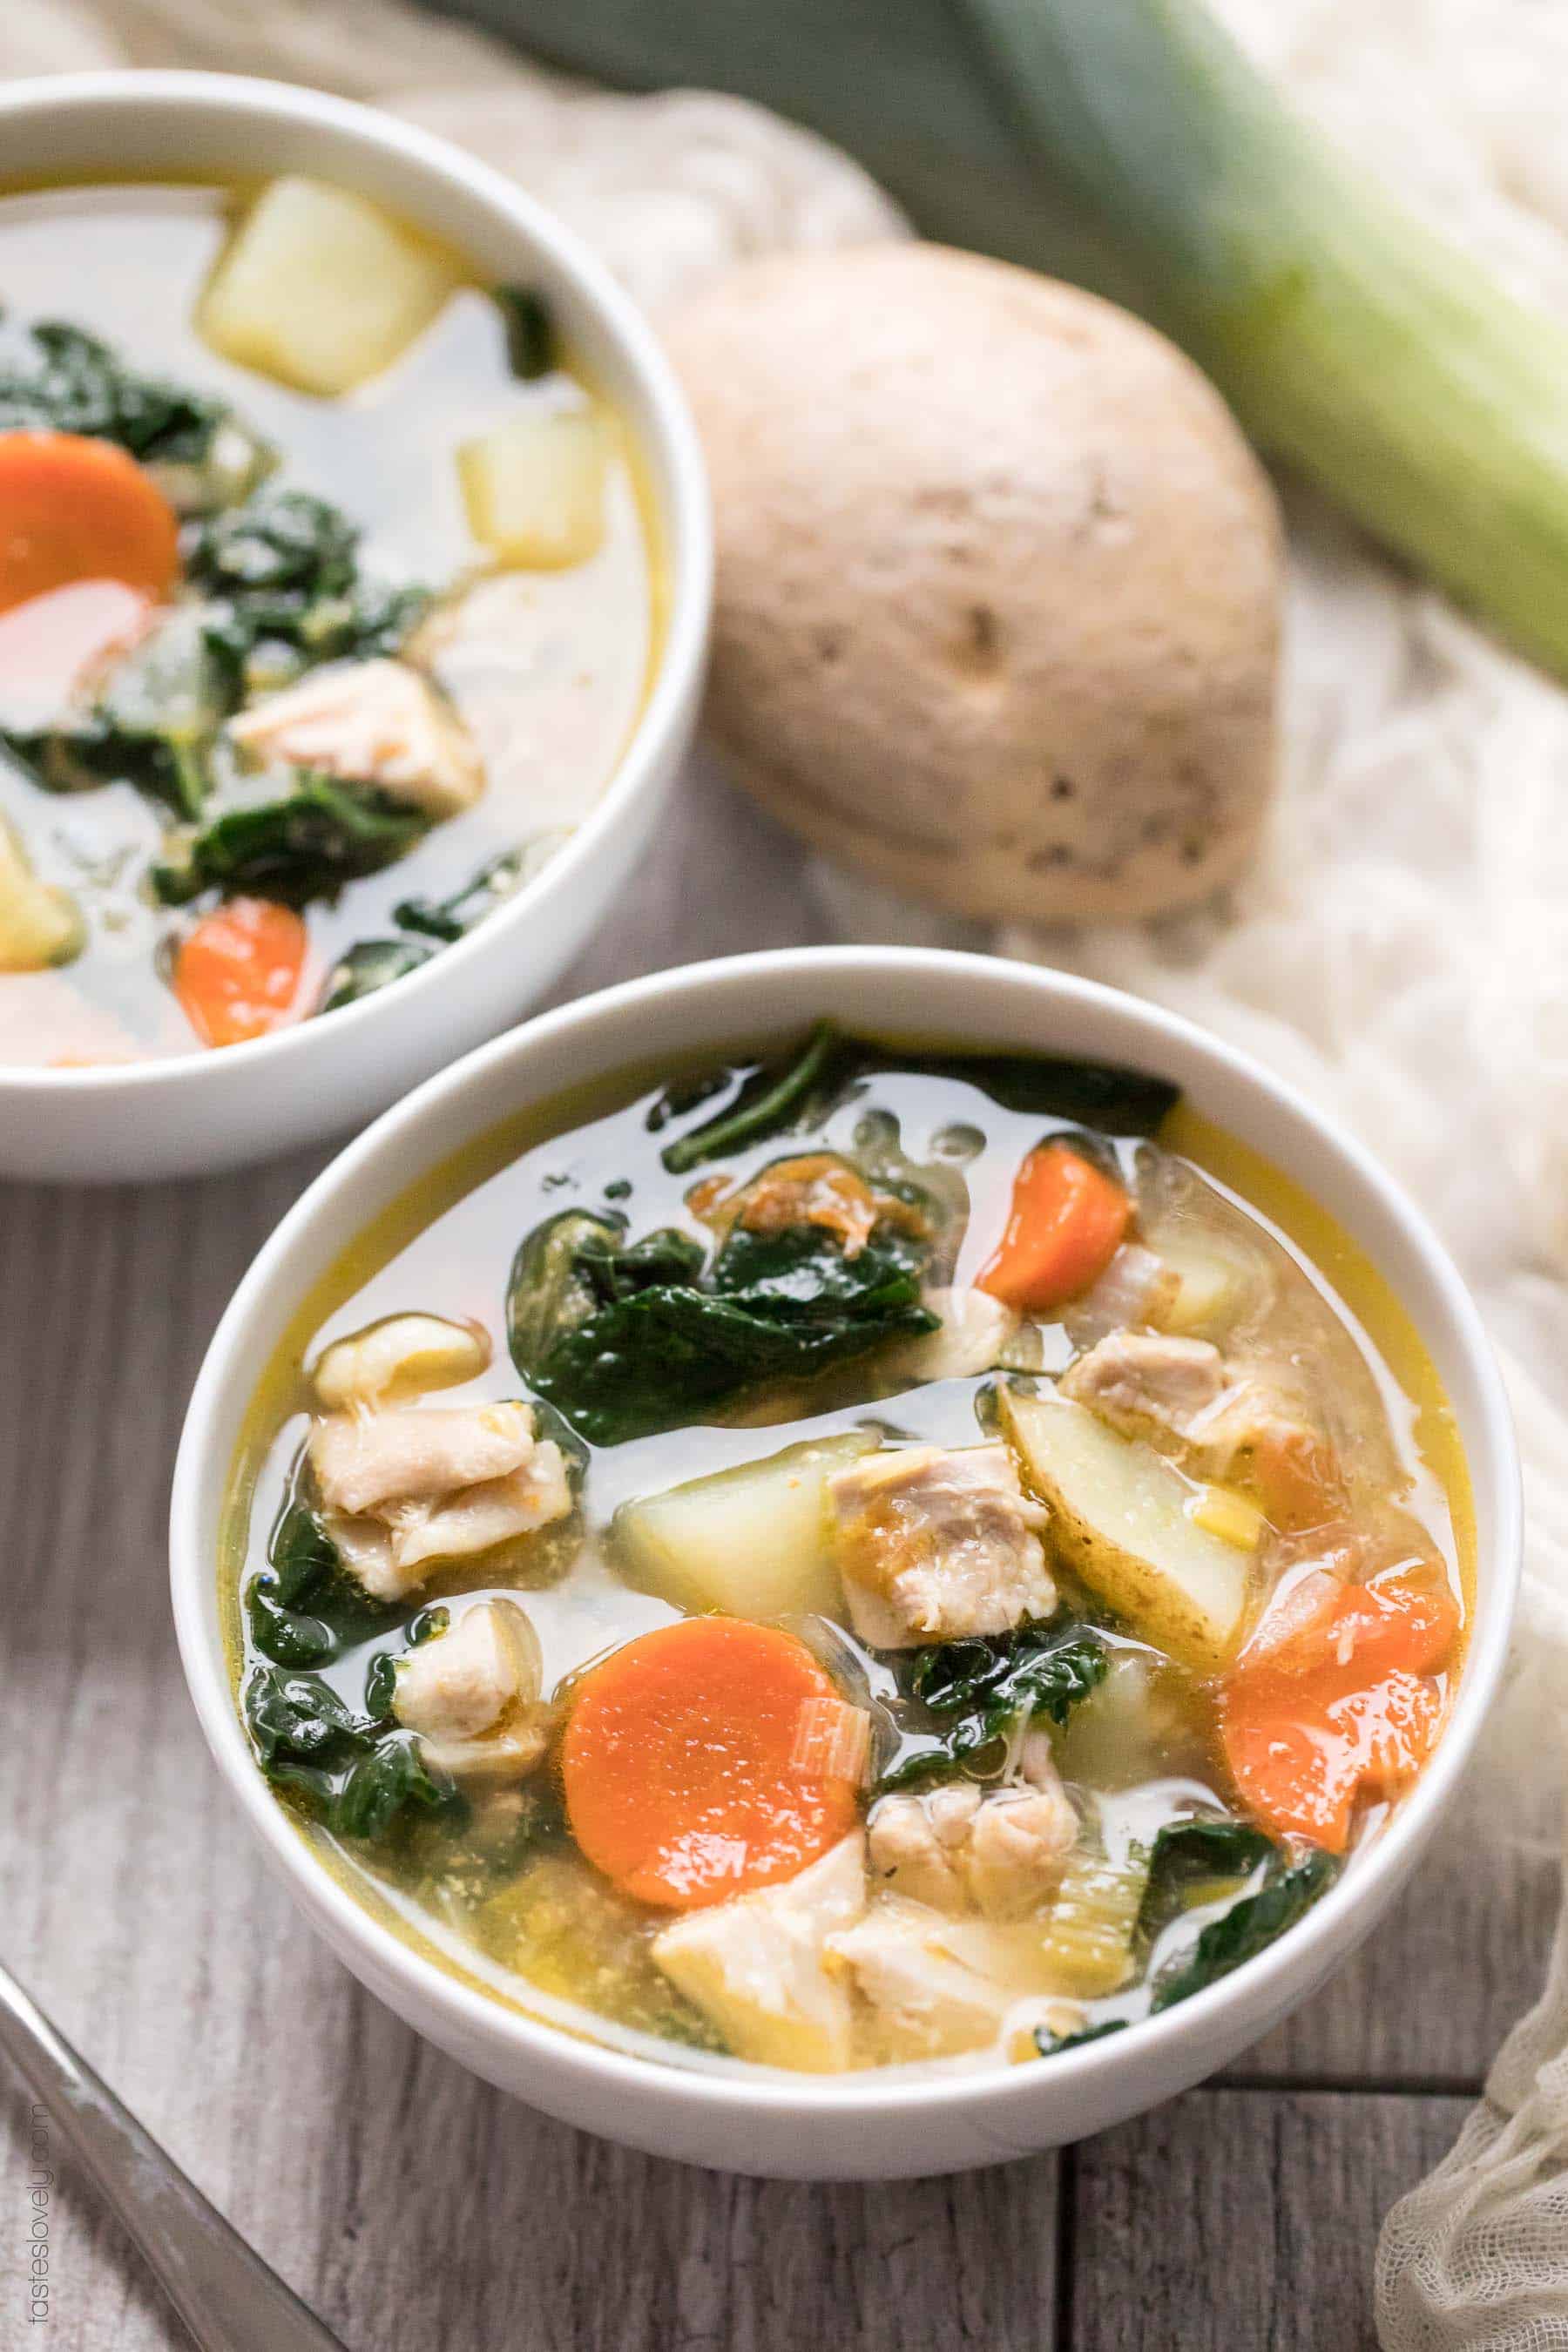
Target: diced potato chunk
x=534 y=487
x=322 y=288
x=752 y=1541
x=39 y=926
x=1122 y=1520
x=755 y=1965
x=1213 y=1278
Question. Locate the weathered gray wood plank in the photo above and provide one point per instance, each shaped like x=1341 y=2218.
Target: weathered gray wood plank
x=1241 y=2221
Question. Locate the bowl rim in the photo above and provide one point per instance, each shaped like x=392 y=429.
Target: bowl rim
x=1490 y=1455
x=666 y=427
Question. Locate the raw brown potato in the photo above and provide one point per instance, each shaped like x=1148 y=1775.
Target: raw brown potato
x=998 y=582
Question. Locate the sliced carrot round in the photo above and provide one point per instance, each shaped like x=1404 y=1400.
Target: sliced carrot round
x=679 y=1763
x=1064 y=1225
x=75 y=509
x=240 y=973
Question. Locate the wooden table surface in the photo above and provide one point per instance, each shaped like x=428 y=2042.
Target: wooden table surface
x=411 y=2205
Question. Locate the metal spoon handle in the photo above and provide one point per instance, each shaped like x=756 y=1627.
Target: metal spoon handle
x=224 y=2294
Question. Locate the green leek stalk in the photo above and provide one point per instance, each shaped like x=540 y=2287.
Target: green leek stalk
x=1129 y=144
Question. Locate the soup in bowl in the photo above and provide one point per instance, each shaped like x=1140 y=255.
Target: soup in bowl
x=347 y=584
x=901 y=1533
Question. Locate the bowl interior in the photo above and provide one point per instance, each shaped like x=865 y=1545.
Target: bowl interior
x=190 y=125
x=940 y=999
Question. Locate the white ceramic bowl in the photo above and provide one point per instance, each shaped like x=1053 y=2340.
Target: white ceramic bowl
x=215 y=1110
x=871 y=2125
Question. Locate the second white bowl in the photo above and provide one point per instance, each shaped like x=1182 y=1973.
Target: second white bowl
x=213 y=1110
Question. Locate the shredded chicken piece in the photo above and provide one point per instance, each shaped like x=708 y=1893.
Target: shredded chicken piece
x=1144 y=1381
x=410 y=1485
x=415 y=1452
x=478 y=1517
x=932 y=1545
x=816 y=1188
x=755 y=1965
x=472 y=1695
x=960 y=1850
x=373 y=722
x=925 y=2001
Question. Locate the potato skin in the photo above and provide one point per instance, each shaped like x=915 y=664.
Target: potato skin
x=999 y=583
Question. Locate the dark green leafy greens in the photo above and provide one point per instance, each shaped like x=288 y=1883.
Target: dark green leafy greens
x=796 y=1094
x=60 y=379
x=357 y=1772
x=449 y=919
x=280 y=577
x=626 y=1338
x=303 y=1607
x=1104 y=1096
x=370 y=965
x=529 y=330
x=1051 y=2046
x=985 y=1690
x=304 y=845
x=1205 y=1848
x=393 y=1777
x=766 y=1104
x=1250 y=1925
x=153 y=724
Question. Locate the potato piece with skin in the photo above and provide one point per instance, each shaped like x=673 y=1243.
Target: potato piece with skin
x=1122 y=1519
x=404 y=1355
x=534 y=487
x=755 y=1965
x=752 y=1541
x=998 y=605
x=320 y=288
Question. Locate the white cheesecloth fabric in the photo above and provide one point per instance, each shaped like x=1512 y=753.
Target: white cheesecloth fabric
x=1402 y=953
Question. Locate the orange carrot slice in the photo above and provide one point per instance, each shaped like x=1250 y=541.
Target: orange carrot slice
x=1347 y=1703
x=679 y=1763
x=1063 y=1227
x=75 y=509
x=239 y=974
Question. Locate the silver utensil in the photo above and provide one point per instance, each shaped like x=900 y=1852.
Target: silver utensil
x=226 y=2295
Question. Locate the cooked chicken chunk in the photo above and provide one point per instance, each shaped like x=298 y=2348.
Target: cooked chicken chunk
x=999 y=1853
x=402 y=1356
x=415 y=1452
x=755 y=1965
x=1144 y=1381
x=925 y=2001
x=478 y=1517
x=410 y=1485
x=932 y=1545
x=373 y=722
x=472 y=1695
